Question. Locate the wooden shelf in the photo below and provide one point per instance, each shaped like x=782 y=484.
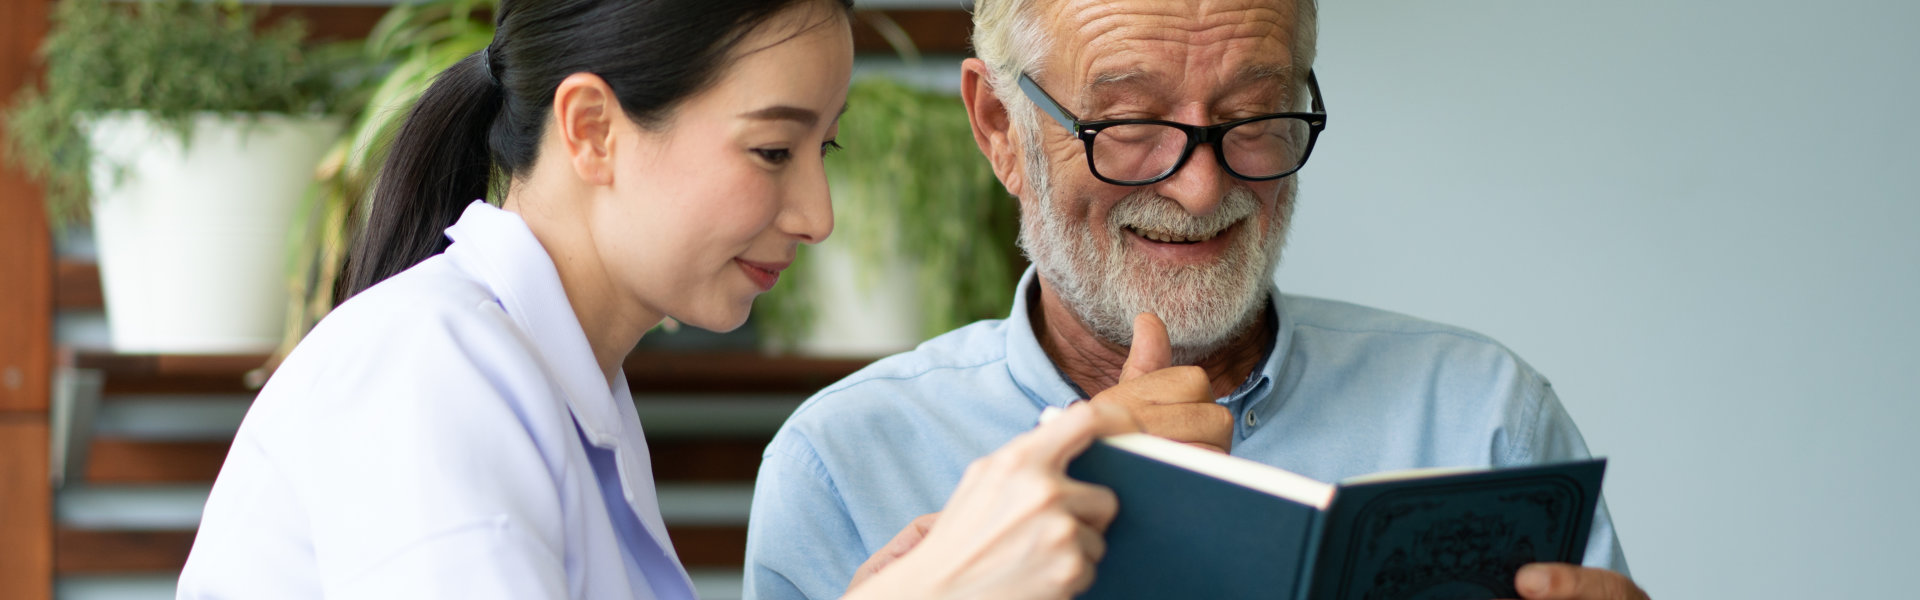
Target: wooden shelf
x=126 y=461
x=120 y=461
x=734 y=372
x=95 y=552
x=167 y=373
x=648 y=372
x=76 y=285
x=82 y=551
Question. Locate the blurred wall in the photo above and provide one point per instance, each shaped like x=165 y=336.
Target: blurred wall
x=1698 y=217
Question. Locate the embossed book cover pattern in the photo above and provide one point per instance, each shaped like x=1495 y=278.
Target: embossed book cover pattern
x=1458 y=539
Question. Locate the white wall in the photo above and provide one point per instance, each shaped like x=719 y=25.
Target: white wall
x=1698 y=217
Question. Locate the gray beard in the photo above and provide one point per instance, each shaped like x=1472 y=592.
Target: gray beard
x=1096 y=273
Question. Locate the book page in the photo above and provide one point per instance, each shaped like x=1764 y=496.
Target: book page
x=1405 y=474
x=1257 y=476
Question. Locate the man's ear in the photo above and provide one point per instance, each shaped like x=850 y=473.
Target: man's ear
x=584 y=110
x=992 y=126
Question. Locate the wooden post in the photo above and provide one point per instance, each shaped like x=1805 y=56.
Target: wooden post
x=26 y=338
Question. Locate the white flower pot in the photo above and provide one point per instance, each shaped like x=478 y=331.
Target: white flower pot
x=193 y=241
x=859 y=315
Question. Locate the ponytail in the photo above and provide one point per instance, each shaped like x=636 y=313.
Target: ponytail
x=438 y=164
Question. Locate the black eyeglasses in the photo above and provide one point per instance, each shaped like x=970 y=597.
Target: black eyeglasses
x=1146 y=151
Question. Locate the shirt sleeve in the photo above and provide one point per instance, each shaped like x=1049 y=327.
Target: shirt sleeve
x=1545 y=433
x=801 y=540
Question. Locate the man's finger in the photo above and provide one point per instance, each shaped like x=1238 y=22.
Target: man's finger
x=1210 y=424
x=1150 y=350
x=1171 y=385
x=1560 y=581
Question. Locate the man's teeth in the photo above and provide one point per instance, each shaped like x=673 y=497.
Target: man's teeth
x=1170 y=238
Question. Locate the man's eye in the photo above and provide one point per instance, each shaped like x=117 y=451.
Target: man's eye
x=829 y=148
x=778 y=156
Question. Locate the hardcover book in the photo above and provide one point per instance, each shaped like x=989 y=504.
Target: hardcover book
x=1199 y=524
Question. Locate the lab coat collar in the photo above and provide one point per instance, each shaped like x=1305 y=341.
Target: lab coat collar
x=499 y=248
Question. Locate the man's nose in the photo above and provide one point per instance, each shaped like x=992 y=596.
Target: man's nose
x=1199 y=184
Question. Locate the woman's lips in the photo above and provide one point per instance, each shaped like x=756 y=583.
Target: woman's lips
x=763 y=274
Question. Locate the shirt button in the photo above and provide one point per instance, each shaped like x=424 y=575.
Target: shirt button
x=1252 y=420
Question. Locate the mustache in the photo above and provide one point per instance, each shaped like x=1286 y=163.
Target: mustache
x=1147 y=210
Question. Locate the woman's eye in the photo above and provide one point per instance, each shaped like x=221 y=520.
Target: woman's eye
x=778 y=156
x=829 y=148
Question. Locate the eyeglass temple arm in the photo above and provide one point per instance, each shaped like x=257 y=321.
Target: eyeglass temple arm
x=1049 y=105
x=1313 y=87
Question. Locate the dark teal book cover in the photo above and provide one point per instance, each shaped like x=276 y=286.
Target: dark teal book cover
x=1455 y=536
x=1180 y=534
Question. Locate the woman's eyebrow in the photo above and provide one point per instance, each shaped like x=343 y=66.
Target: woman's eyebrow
x=804 y=116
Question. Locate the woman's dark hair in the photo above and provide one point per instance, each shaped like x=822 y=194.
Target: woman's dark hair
x=483 y=117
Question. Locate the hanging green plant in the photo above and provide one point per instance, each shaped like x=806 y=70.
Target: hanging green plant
x=911 y=184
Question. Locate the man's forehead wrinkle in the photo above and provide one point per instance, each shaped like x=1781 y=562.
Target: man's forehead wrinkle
x=1113 y=40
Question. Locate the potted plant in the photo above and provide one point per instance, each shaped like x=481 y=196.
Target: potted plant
x=186 y=133
x=924 y=232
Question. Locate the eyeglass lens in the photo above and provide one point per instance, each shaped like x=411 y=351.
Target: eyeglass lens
x=1255 y=149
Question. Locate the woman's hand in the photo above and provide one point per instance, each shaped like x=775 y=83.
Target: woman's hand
x=1016 y=527
x=895 y=548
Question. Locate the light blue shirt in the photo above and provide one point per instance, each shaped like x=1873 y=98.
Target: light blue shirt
x=1345 y=390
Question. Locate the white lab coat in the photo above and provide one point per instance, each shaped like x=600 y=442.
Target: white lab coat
x=431 y=439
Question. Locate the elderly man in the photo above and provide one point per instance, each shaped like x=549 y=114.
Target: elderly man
x=1151 y=145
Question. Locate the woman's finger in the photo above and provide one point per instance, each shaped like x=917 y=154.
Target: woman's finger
x=1093 y=546
x=1060 y=438
x=895 y=548
x=1090 y=504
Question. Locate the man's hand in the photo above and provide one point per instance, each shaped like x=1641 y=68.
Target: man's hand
x=1560 y=581
x=1171 y=402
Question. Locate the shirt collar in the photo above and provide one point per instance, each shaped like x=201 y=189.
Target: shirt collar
x=497 y=246
x=1047 y=385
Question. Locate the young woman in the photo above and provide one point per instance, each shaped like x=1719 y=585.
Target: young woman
x=461 y=428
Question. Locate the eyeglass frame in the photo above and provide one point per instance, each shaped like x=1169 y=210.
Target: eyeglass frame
x=1196 y=134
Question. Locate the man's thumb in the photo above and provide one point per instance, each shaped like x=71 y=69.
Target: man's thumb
x=1150 y=350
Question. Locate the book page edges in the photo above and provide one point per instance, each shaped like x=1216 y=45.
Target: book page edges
x=1232 y=469
x=1408 y=474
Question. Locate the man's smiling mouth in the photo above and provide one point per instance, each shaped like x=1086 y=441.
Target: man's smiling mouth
x=1167 y=237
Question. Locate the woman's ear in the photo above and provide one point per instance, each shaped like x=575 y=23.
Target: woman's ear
x=584 y=113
